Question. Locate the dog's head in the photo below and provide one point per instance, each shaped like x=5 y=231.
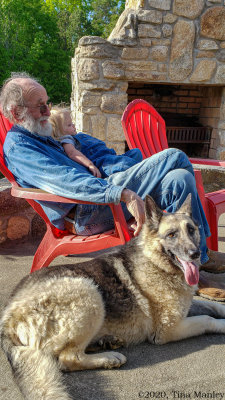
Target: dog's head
x=174 y=237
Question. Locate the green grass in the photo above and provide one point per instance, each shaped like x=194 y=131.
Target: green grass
x=1 y=176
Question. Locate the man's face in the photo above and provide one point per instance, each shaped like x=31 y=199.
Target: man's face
x=35 y=118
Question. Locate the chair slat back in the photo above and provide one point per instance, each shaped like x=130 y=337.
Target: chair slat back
x=5 y=126
x=144 y=128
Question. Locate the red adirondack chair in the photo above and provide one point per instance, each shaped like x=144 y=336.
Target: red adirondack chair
x=144 y=128
x=56 y=242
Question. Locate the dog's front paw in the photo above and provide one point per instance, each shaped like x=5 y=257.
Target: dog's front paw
x=113 y=359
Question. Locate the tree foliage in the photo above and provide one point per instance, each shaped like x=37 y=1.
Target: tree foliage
x=40 y=36
x=104 y=14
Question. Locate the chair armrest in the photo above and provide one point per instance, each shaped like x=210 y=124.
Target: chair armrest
x=207 y=161
x=40 y=195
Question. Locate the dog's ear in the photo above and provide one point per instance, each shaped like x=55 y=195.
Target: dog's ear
x=153 y=214
x=186 y=206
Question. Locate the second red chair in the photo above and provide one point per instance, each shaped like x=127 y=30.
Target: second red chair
x=145 y=128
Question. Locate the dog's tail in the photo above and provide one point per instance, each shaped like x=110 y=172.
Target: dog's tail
x=36 y=372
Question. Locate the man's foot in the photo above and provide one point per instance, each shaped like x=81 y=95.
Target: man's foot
x=216 y=262
x=211 y=287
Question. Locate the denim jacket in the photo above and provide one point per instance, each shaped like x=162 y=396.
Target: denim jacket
x=40 y=162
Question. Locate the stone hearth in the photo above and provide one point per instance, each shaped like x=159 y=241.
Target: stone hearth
x=176 y=43
x=18 y=220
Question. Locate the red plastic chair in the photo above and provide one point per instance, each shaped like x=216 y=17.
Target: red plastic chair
x=57 y=242
x=144 y=128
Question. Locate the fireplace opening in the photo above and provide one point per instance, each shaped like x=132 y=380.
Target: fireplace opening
x=191 y=114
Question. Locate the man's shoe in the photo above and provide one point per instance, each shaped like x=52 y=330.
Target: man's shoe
x=212 y=288
x=216 y=262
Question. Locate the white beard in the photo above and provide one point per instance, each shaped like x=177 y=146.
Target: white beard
x=34 y=126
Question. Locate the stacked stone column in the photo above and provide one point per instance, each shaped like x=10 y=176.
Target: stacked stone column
x=99 y=90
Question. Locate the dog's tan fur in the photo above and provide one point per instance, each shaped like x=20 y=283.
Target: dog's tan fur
x=136 y=293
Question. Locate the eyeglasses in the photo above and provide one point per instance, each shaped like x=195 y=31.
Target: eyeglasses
x=42 y=108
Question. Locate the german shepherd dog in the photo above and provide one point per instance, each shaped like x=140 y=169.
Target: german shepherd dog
x=141 y=291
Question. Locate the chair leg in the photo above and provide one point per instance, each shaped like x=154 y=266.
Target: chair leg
x=210 y=212
x=45 y=252
x=212 y=241
x=201 y=192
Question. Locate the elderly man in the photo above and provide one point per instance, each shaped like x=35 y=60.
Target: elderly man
x=37 y=160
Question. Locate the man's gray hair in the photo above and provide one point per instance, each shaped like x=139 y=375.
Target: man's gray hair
x=11 y=94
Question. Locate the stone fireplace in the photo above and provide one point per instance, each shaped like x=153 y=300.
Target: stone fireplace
x=191 y=113
x=168 y=52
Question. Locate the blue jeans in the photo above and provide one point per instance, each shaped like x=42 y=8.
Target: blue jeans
x=167 y=176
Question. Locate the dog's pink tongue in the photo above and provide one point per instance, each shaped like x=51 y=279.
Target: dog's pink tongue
x=191 y=272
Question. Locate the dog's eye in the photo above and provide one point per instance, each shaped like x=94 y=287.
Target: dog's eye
x=191 y=230
x=171 y=235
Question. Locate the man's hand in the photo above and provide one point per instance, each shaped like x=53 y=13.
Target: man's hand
x=135 y=205
x=95 y=171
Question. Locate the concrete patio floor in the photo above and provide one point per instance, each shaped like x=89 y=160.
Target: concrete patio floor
x=193 y=368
